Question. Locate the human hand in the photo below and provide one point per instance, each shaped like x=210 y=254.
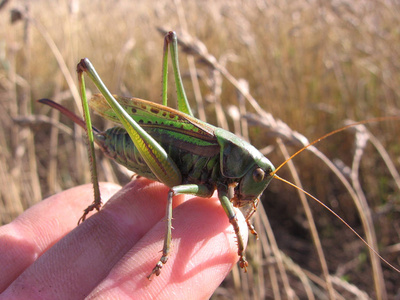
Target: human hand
x=44 y=255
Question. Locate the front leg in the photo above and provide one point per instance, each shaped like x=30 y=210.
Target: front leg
x=249 y=215
x=230 y=212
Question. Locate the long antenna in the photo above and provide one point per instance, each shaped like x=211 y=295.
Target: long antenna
x=334 y=132
x=340 y=218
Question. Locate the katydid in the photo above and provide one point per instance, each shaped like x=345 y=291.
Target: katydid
x=173 y=147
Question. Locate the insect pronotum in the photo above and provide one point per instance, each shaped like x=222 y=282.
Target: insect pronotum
x=173 y=147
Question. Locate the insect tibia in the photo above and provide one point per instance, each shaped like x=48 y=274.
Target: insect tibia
x=341 y=220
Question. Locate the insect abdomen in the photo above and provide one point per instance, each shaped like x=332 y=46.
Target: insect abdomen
x=117 y=144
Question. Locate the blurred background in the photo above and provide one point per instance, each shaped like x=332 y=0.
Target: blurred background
x=274 y=72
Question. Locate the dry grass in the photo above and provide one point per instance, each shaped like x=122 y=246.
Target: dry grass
x=312 y=65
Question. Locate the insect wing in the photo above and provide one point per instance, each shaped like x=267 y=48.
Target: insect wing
x=166 y=125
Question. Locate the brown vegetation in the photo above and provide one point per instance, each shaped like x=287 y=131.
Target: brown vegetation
x=311 y=64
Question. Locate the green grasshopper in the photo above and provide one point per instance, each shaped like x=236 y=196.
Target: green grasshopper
x=184 y=153
x=173 y=147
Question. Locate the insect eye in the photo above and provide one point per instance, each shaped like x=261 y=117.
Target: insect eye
x=258 y=175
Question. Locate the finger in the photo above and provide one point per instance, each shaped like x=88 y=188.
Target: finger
x=203 y=251
x=27 y=237
x=80 y=260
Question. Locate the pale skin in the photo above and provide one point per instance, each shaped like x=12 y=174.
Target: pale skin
x=45 y=255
